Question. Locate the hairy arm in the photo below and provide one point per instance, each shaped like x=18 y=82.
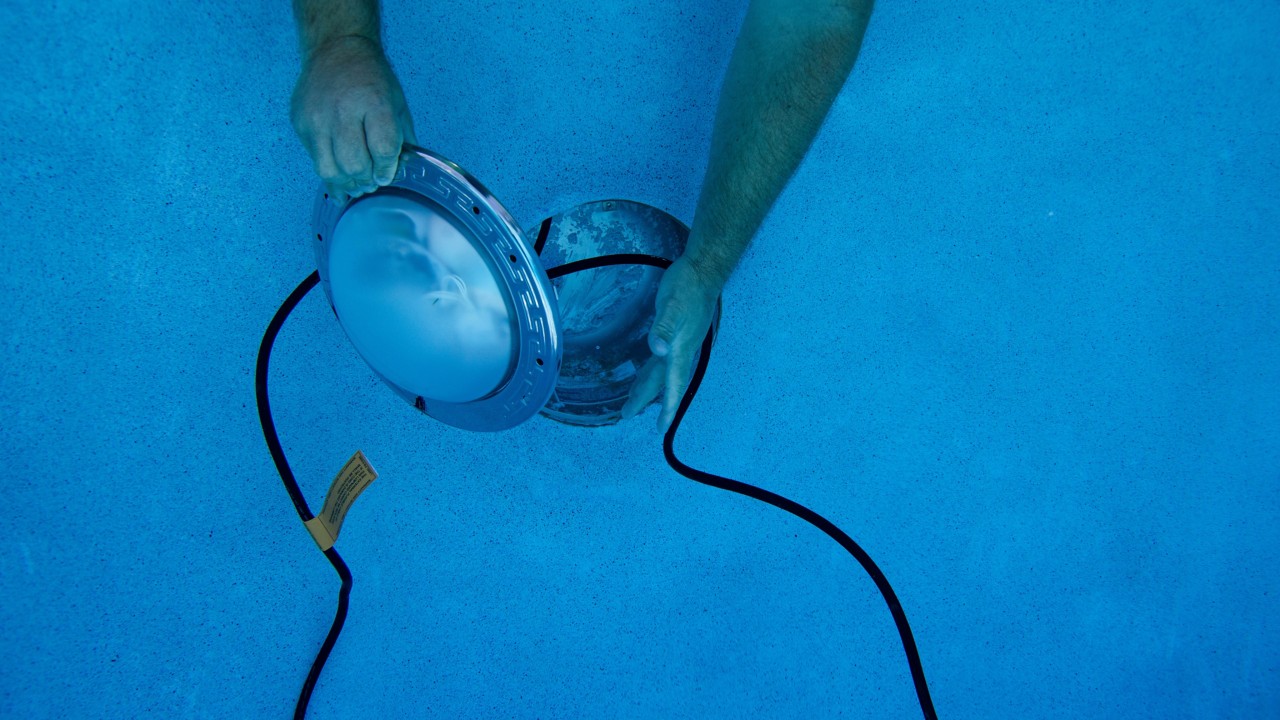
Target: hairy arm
x=323 y=21
x=790 y=61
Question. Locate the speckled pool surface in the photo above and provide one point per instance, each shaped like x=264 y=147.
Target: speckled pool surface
x=1012 y=326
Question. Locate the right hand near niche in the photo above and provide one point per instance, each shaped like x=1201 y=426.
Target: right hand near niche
x=349 y=111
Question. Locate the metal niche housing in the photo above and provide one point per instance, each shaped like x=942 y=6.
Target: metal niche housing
x=606 y=312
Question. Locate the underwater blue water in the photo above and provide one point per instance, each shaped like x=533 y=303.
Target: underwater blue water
x=1013 y=326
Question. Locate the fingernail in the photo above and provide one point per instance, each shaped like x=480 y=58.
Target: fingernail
x=660 y=347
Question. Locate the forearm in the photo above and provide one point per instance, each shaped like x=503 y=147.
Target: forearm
x=323 y=21
x=790 y=61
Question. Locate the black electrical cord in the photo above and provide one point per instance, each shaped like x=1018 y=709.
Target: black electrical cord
x=291 y=485
x=800 y=511
x=795 y=508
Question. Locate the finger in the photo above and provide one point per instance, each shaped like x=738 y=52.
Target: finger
x=322 y=156
x=383 y=138
x=336 y=193
x=406 y=127
x=679 y=368
x=660 y=336
x=663 y=330
x=645 y=388
x=352 y=155
x=354 y=189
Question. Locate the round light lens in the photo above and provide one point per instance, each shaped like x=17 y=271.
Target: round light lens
x=419 y=300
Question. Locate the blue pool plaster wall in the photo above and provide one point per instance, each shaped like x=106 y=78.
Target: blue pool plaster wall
x=1013 y=326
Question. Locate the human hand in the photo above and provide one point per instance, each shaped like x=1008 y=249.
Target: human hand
x=349 y=111
x=685 y=305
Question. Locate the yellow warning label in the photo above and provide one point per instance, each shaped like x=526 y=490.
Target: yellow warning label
x=351 y=481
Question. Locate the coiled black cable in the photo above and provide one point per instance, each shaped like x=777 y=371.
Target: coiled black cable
x=800 y=511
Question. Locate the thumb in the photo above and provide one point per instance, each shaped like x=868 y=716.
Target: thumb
x=659 y=346
x=662 y=332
